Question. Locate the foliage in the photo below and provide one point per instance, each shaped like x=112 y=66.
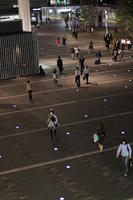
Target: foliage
x=88 y=15
x=125 y=17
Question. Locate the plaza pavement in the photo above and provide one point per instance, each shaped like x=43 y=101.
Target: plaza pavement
x=32 y=167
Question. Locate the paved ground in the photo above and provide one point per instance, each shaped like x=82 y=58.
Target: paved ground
x=33 y=167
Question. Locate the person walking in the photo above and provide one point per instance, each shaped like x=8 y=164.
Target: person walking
x=91 y=47
x=125 y=151
x=77 y=76
x=99 y=137
x=52 y=123
x=64 y=40
x=72 y=52
x=98 y=55
x=115 y=54
x=86 y=74
x=73 y=31
x=55 y=76
x=81 y=62
x=58 y=42
x=76 y=51
x=120 y=54
x=29 y=89
x=76 y=33
x=60 y=65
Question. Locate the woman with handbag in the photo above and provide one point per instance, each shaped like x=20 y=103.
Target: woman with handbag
x=99 y=137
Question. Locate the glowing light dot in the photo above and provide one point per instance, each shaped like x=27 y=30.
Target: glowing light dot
x=55 y=149
x=17 y=127
x=77 y=90
x=126 y=86
x=14 y=106
x=96 y=70
x=0 y=156
x=129 y=80
x=105 y=100
x=68 y=167
x=68 y=133
x=128 y=70
x=122 y=132
x=62 y=198
x=86 y=116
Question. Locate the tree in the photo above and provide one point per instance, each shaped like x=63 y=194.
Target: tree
x=125 y=17
x=88 y=15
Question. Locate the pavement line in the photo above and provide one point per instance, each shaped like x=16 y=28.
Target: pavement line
x=68 y=124
x=57 y=161
x=65 y=77
x=66 y=103
x=63 y=89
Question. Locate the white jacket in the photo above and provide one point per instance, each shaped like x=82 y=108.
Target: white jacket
x=52 y=124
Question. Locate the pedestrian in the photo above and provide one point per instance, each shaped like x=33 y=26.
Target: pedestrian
x=125 y=151
x=52 y=123
x=129 y=44
x=98 y=55
x=72 y=52
x=76 y=51
x=123 y=43
x=115 y=29
x=107 y=38
x=120 y=54
x=117 y=44
x=99 y=137
x=81 y=62
x=76 y=33
x=29 y=89
x=73 y=32
x=86 y=74
x=91 y=46
x=77 y=76
x=55 y=76
x=64 y=40
x=115 y=54
x=58 y=42
x=60 y=65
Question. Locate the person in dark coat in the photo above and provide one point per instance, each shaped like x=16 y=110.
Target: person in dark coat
x=60 y=65
x=81 y=62
x=64 y=40
x=29 y=89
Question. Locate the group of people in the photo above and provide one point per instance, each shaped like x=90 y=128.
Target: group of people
x=80 y=70
x=75 y=51
x=58 y=41
x=124 y=150
x=85 y=73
